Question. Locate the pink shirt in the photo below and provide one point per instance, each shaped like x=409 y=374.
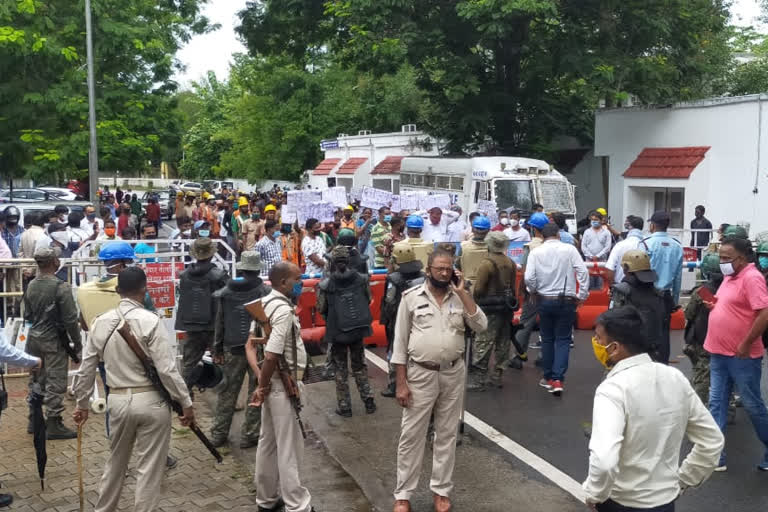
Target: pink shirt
x=740 y=299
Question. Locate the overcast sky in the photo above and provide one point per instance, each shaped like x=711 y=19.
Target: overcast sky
x=214 y=51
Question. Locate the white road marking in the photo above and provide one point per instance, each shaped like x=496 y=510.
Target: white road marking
x=553 y=474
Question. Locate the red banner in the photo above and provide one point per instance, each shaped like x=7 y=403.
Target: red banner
x=160 y=284
x=690 y=255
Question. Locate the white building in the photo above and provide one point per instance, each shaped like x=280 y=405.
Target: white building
x=710 y=152
x=370 y=159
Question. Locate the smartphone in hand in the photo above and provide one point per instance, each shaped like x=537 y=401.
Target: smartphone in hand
x=706 y=295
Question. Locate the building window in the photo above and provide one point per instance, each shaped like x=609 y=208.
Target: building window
x=671 y=200
x=430 y=181
x=405 y=179
x=385 y=184
x=444 y=182
x=457 y=183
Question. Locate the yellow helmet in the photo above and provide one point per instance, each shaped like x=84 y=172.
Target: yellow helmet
x=270 y=208
x=191 y=194
x=206 y=195
x=179 y=194
x=602 y=211
x=242 y=201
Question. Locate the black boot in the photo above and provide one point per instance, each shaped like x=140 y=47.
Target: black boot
x=389 y=392
x=345 y=413
x=56 y=430
x=370 y=406
x=5 y=500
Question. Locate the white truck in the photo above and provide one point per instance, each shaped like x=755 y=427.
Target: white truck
x=509 y=182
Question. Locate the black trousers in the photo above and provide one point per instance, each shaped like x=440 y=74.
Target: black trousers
x=612 y=506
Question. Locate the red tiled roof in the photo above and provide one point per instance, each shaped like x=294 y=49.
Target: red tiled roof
x=668 y=163
x=351 y=165
x=326 y=166
x=390 y=165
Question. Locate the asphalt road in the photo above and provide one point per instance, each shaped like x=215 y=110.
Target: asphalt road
x=553 y=428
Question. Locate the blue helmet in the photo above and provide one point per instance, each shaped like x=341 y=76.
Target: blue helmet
x=116 y=251
x=538 y=220
x=414 y=222
x=481 y=222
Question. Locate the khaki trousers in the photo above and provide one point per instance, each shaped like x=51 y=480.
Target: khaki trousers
x=141 y=421
x=442 y=392
x=279 y=455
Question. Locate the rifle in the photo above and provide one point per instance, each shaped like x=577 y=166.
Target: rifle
x=256 y=310
x=151 y=371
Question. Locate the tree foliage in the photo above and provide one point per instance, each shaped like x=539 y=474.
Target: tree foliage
x=44 y=123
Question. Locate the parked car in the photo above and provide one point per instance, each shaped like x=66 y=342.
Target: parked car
x=165 y=198
x=176 y=185
x=63 y=193
x=26 y=195
x=192 y=186
x=46 y=206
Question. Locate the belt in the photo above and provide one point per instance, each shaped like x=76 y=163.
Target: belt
x=563 y=298
x=436 y=367
x=132 y=391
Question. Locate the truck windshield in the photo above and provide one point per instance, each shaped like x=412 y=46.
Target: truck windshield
x=555 y=195
x=516 y=194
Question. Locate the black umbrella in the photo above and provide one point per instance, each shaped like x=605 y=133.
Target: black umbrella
x=38 y=429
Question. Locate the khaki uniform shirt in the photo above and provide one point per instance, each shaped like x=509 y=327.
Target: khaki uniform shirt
x=420 y=247
x=472 y=255
x=488 y=281
x=124 y=370
x=428 y=333
x=286 y=331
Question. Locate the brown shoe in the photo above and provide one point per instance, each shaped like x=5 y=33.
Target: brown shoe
x=442 y=503
x=402 y=506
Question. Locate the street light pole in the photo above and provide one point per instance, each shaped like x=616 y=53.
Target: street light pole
x=93 y=154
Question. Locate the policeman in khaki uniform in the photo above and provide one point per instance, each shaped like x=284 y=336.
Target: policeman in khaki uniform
x=474 y=251
x=414 y=225
x=281 y=446
x=138 y=414
x=428 y=355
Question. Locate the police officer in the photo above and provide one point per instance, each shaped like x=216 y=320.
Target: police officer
x=636 y=289
x=414 y=225
x=494 y=292
x=428 y=355
x=197 y=307
x=409 y=272
x=343 y=299
x=666 y=255
x=233 y=324
x=280 y=445
x=138 y=415
x=357 y=261
x=474 y=251
x=50 y=308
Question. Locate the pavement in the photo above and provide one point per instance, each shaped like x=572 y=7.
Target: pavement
x=197 y=482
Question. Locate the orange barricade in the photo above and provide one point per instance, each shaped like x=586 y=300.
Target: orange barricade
x=597 y=302
x=378 y=285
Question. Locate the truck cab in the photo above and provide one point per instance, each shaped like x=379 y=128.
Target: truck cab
x=507 y=182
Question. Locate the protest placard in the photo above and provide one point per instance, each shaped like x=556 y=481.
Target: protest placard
x=288 y=214
x=442 y=201
x=356 y=193
x=515 y=251
x=396 y=208
x=335 y=195
x=322 y=211
x=296 y=197
x=375 y=198
x=488 y=208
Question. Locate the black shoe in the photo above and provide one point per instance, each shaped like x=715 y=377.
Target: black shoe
x=389 y=393
x=218 y=442
x=346 y=413
x=280 y=505
x=171 y=462
x=5 y=500
x=370 y=406
x=516 y=363
x=55 y=429
x=246 y=443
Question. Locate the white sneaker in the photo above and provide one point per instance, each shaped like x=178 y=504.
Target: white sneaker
x=721 y=469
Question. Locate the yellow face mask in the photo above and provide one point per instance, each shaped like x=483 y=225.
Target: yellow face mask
x=601 y=352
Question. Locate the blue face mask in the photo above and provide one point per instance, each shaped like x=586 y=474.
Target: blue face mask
x=763 y=260
x=204 y=233
x=387 y=218
x=297 y=288
x=276 y=234
x=595 y=223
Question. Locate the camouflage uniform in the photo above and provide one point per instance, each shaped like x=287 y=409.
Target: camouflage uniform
x=359 y=372
x=694 y=348
x=234 y=368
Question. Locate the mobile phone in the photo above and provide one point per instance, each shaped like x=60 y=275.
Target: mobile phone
x=706 y=295
x=454 y=278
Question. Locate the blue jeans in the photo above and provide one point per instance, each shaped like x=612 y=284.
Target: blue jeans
x=612 y=506
x=724 y=373
x=556 y=324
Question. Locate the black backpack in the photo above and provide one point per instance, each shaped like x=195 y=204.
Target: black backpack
x=197 y=306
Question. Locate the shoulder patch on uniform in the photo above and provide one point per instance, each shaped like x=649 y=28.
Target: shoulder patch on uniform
x=422 y=306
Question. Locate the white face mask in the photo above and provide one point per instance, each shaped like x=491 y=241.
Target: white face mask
x=187 y=232
x=514 y=222
x=727 y=269
x=504 y=221
x=61 y=237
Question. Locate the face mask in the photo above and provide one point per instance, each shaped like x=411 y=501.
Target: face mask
x=204 y=233
x=61 y=237
x=109 y=231
x=504 y=221
x=297 y=288
x=628 y=226
x=595 y=223
x=727 y=269
x=63 y=219
x=514 y=222
x=387 y=218
x=763 y=260
x=91 y=216
x=438 y=284
x=255 y=216
x=601 y=352
x=187 y=232
x=12 y=221
x=276 y=234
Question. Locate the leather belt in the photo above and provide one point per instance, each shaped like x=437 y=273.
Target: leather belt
x=564 y=298
x=132 y=391
x=437 y=367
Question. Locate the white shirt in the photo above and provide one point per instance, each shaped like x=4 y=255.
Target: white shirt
x=641 y=412
x=634 y=237
x=520 y=235
x=550 y=271
x=222 y=229
x=456 y=231
x=438 y=232
x=87 y=226
x=310 y=246
x=596 y=244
